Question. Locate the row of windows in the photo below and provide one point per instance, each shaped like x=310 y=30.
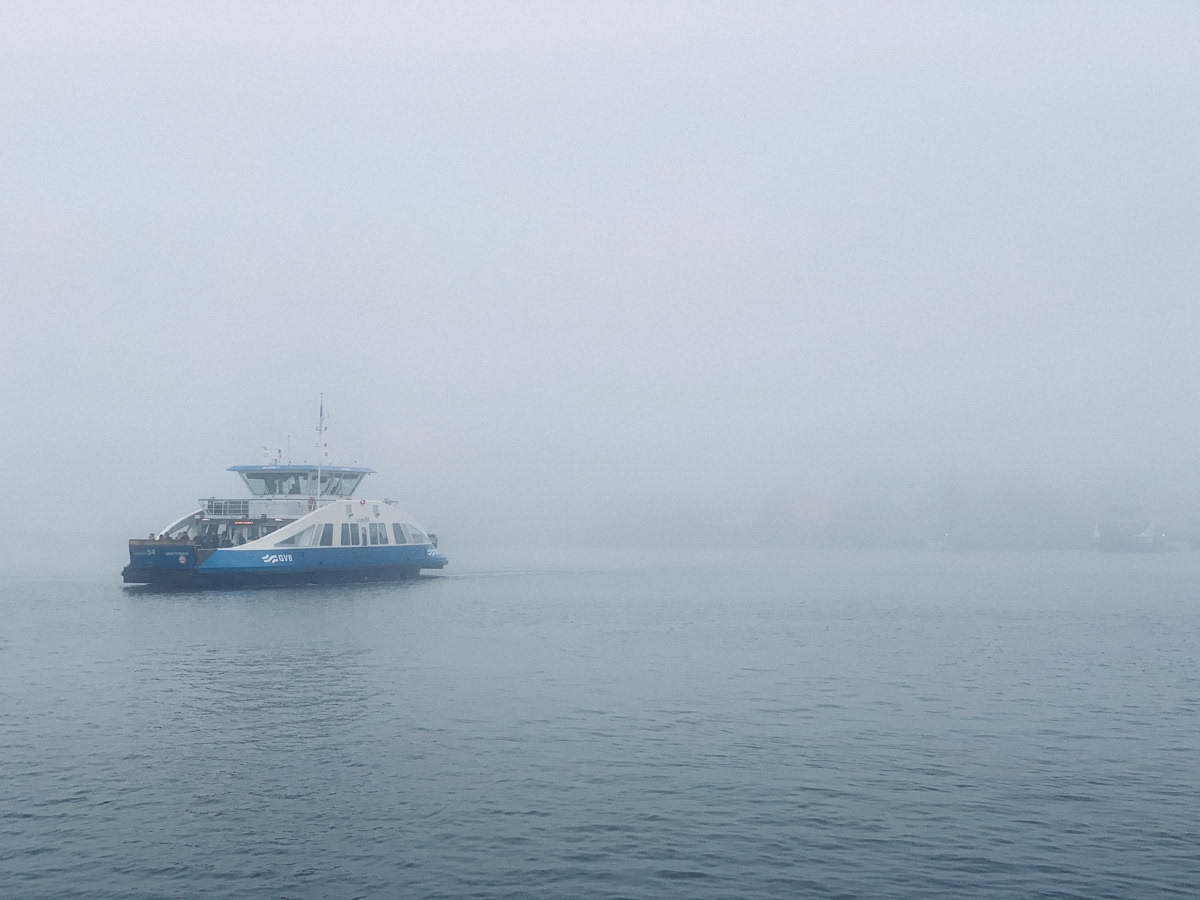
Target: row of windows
x=356 y=535
x=336 y=484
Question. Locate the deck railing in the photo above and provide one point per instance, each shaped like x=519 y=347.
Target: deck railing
x=215 y=507
x=259 y=507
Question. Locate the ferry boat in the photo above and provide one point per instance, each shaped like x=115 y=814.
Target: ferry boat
x=301 y=524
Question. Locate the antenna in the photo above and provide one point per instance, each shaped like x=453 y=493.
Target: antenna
x=320 y=442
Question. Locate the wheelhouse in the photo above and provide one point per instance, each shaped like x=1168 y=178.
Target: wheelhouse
x=302 y=480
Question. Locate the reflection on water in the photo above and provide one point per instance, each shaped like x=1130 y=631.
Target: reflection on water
x=827 y=725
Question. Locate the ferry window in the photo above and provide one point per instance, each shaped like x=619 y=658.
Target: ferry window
x=415 y=535
x=383 y=539
x=364 y=535
x=282 y=483
x=274 y=483
x=400 y=538
x=374 y=532
x=345 y=535
x=354 y=535
x=327 y=535
x=300 y=538
x=257 y=483
x=331 y=484
x=349 y=483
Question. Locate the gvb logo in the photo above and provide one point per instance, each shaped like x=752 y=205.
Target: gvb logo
x=273 y=558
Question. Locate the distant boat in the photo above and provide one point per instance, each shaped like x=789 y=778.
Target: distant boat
x=301 y=524
x=1128 y=529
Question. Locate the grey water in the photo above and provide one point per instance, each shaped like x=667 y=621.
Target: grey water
x=821 y=725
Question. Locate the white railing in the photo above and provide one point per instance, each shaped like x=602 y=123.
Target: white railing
x=259 y=507
x=238 y=509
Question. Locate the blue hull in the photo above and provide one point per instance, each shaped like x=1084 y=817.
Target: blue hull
x=184 y=565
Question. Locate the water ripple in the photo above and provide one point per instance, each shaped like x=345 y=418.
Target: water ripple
x=993 y=726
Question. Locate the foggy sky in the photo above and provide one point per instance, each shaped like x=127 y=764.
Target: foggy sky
x=574 y=268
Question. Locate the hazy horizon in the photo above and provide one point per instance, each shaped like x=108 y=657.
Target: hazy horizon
x=785 y=274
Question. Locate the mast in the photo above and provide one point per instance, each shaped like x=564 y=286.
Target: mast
x=320 y=444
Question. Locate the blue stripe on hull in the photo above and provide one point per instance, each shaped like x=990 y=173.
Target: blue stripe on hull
x=424 y=556
x=301 y=565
